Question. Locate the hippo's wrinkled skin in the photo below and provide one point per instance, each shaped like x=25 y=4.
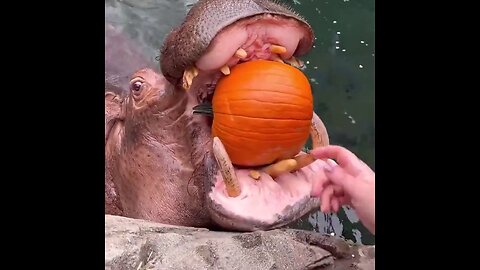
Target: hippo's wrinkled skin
x=159 y=161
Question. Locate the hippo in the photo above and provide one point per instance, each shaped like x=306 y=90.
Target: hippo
x=161 y=162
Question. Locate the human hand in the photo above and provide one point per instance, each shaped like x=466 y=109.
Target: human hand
x=351 y=182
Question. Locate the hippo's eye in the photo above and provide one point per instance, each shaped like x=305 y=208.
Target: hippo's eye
x=136 y=86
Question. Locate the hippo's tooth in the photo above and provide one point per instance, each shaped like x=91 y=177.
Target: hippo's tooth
x=318 y=132
x=278 y=49
x=226 y=168
x=254 y=174
x=241 y=53
x=277 y=58
x=295 y=62
x=188 y=75
x=225 y=70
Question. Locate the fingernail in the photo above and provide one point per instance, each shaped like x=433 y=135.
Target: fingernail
x=330 y=164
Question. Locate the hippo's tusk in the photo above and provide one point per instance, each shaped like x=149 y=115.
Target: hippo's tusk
x=225 y=70
x=294 y=62
x=318 y=132
x=188 y=75
x=226 y=168
x=278 y=49
x=241 y=53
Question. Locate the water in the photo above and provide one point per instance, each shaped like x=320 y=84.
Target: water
x=341 y=67
x=144 y=23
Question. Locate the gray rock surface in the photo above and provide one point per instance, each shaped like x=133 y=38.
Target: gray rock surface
x=138 y=244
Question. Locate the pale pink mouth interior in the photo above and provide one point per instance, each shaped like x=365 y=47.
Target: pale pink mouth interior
x=265 y=198
x=255 y=36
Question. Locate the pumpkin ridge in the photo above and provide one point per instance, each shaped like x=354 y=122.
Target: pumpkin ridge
x=246 y=156
x=266 y=102
x=263 y=136
x=271 y=71
x=220 y=93
x=230 y=146
x=279 y=129
x=259 y=140
x=264 y=118
x=271 y=110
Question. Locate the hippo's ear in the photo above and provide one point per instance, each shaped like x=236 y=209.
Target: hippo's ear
x=113 y=116
x=113 y=111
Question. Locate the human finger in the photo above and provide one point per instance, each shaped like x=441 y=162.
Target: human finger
x=326 y=197
x=340 y=178
x=343 y=157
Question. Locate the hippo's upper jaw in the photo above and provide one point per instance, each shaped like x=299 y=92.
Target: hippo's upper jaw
x=215 y=36
x=214 y=30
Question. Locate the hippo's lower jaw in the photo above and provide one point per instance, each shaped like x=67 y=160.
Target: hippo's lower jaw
x=266 y=203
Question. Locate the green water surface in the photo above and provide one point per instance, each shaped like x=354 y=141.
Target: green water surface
x=341 y=68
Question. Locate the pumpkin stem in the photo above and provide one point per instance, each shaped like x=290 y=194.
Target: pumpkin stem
x=204 y=108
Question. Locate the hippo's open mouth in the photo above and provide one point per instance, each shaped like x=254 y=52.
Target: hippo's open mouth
x=264 y=203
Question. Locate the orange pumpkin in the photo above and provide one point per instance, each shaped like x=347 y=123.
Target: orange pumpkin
x=262 y=112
